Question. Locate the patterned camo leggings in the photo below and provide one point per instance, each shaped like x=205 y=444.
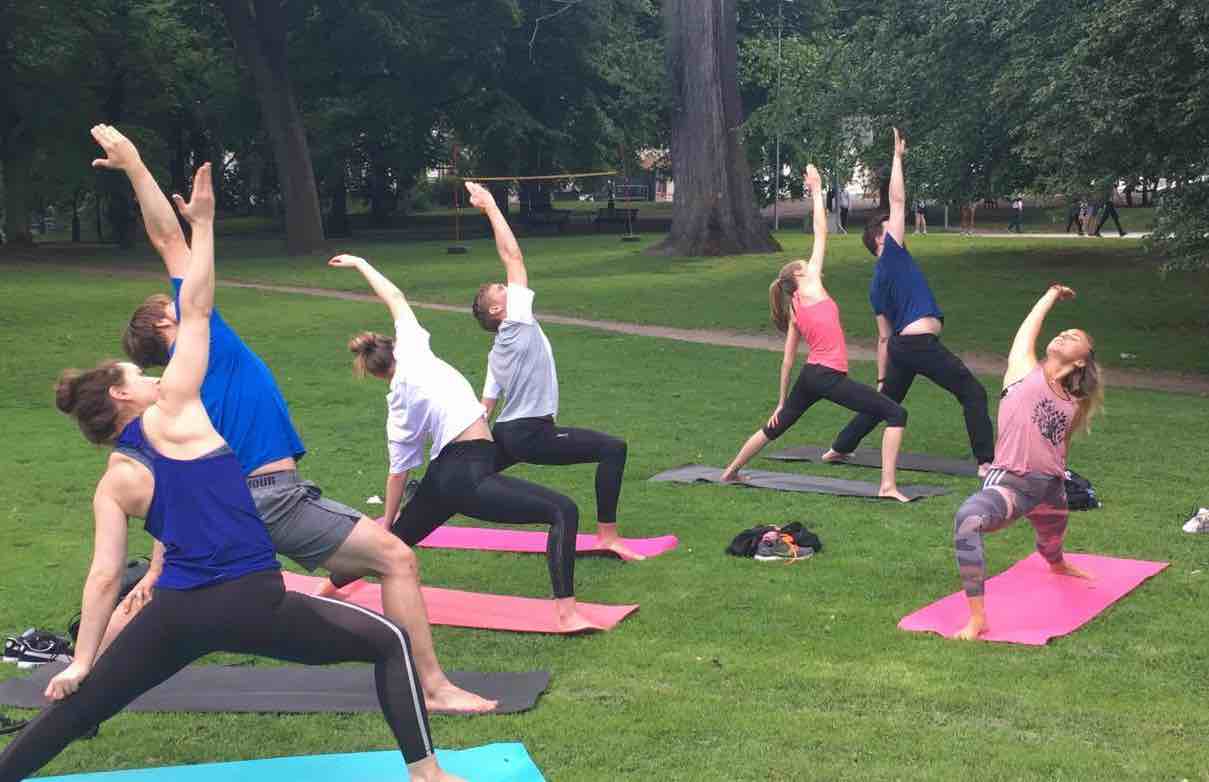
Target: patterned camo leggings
x=1004 y=498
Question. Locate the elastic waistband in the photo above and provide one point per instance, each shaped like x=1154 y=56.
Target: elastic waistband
x=282 y=478
x=916 y=337
x=537 y=419
x=467 y=448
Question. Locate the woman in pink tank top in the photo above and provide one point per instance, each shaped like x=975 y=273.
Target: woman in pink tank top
x=798 y=291
x=1043 y=404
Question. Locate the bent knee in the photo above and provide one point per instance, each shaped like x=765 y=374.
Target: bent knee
x=615 y=450
x=566 y=511
x=395 y=557
x=896 y=416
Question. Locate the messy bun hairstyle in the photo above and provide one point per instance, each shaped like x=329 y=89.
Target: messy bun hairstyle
x=374 y=354
x=84 y=395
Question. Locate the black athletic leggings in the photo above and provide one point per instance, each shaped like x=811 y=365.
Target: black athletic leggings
x=540 y=441
x=816 y=382
x=250 y=615
x=463 y=480
x=923 y=354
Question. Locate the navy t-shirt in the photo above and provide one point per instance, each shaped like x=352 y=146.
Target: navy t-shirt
x=243 y=400
x=899 y=289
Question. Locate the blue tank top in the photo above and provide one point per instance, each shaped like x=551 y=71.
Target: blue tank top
x=202 y=511
x=243 y=400
x=899 y=289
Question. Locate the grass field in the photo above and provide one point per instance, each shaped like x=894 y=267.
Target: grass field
x=984 y=285
x=732 y=669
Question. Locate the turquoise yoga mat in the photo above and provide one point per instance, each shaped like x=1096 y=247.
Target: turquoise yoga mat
x=490 y=763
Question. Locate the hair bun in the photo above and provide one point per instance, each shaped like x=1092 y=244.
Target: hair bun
x=363 y=343
x=67 y=391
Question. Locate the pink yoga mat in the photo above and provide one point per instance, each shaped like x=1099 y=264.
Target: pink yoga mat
x=1027 y=604
x=456 y=608
x=527 y=542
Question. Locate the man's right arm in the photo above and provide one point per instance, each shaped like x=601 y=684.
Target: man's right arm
x=163 y=228
x=896 y=226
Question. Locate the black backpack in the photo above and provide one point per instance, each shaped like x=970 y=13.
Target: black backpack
x=1079 y=492
x=745 y=543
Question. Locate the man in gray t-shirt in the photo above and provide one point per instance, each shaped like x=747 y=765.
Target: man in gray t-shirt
x=521 y=368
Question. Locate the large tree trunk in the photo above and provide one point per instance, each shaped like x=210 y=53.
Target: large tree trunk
x=17 y=153
x=714 y=212
x=259 y=30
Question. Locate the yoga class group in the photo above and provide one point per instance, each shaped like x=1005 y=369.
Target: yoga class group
x=208 y=456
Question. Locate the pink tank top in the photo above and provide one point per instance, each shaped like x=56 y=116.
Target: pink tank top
x=1034 y=427
x=819 y=325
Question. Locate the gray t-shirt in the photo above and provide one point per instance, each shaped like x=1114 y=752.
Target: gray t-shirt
x=521 y=363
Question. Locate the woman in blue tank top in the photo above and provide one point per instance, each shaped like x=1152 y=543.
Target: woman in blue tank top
x=171 y=468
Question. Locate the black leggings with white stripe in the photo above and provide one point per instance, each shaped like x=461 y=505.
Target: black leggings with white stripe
x=249 y=615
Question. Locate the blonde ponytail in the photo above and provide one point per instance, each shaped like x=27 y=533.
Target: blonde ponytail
x=780 y=296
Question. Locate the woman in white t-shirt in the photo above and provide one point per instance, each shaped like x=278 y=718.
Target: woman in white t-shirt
x=430 y=401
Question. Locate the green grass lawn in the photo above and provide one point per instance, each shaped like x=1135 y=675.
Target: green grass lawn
x=731 y=669
x=984 y=285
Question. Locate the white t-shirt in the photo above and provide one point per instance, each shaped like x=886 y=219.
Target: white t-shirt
x=845 y=199
x=428 y=399
x=521 y=363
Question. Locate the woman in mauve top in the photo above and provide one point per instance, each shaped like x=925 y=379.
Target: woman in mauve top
x=1043 y=403
x=798 y=292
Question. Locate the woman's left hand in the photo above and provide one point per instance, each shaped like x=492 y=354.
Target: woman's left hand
x=67 y=682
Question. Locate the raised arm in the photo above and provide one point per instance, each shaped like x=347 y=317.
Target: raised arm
x=386 y=290
x=163 y=229
x=1023 y=357
x=897 y=224
x=819 y=215
x=182 y=379
x=505 y=242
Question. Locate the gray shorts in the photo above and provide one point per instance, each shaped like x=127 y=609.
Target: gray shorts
x=303 y=524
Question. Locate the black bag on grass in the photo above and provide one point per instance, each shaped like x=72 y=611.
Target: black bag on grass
x=1079 y=492
x=745 y=543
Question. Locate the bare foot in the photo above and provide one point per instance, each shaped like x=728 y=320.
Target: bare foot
x=569 y=618
x=427 y=770
x=974 y=628
x=983 y=469
x=892 y=492
x=448 y=699
x=1065 y=568
x=618 y=547
x=833 y=455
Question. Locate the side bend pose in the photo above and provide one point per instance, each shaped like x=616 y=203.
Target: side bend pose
x=1043 y=405
x=220 y=588
x=520 y=366
x=430 y=400
x=246 y=406
x=909 y=322
x=798 y=293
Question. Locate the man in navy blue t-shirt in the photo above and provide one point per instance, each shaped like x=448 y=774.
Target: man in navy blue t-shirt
x=909 y=322
x=246 y=407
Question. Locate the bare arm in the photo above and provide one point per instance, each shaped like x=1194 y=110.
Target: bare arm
x=883 y=348
x=505 y=241
x=182 y=378
x=1023 y=356
x=488 y=405
x=819 y=216
x=163 y=228
x=788 y=360
x=386 y=290
x=396 y=487
x=897 y=224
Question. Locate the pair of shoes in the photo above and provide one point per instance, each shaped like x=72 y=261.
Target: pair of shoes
x=1198 y=523
x=781 y=546
x=34 y=648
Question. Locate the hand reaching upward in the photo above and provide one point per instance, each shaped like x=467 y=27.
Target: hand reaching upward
x=813 y=180
x=480 y=197
x=900 y=144
x=120 y=154
x=200 y=207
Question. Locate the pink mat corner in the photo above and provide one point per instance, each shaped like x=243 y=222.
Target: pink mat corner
x=534 y=542
x=456 y=608
x=1027 y=604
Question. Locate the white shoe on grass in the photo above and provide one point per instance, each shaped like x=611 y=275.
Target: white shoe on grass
x=1198 y=523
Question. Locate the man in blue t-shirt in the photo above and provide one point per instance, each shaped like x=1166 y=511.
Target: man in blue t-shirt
x=247 y=408
x=909 y=322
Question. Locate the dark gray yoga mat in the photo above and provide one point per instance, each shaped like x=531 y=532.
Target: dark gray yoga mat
x=781 y=481
x=868 y=457
x=293 y=689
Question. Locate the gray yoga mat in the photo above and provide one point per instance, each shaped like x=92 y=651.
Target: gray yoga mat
x=868 y=457
x=763 y=479
x=291 y=689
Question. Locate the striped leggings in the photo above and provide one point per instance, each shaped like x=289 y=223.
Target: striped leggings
x=1004 y=498
x=249 y=615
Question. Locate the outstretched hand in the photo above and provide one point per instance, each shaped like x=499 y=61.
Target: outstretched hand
x=1063 y=292
x=120 y=153
x=344 y=261
x=900 y=144
x=480 y=197
x=813 y=180
x=200 y=206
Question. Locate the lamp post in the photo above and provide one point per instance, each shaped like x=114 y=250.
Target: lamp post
x=776 y=192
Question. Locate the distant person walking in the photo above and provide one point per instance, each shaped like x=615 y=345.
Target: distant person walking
x=1107 y=210
x=1072 y=217
x=845 y=202
x=1017 y=223
x=967 y=217
x=1084 y=217
x=921 y=217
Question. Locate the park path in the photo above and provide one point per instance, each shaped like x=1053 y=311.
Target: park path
x=858 y=350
